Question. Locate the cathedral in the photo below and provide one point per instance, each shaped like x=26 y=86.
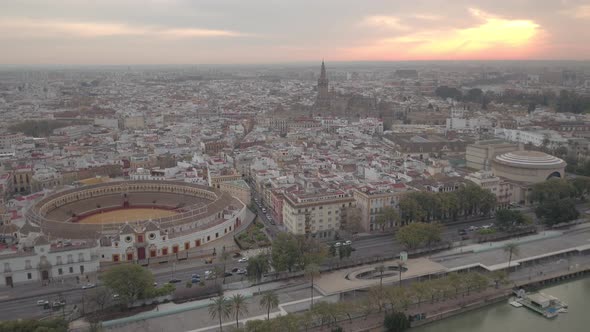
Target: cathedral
x=330 y=103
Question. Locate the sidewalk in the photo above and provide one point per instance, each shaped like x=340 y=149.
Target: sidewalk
x=36 y=289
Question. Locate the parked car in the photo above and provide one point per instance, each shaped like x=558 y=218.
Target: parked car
x=42 y=302
x=486 y=226
x=196 y=276
x=174 y=281
x=87 y=286
x=243 y=260
x=155 y=284
x=235 y=269
x=473 y=228
x=241 y=271
x=347 y=242
x=337 y=244
x=462 y=232
x=195 y=280
x=59 y=303
x=228 y=274
x=263 y=210
x=115 y=296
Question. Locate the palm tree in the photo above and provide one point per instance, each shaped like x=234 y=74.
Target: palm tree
x=269 y=301
x=220 y=308
x=238 y=306
x=380 y=269
x=511 y=249
x=224 y=257
x=311 y=271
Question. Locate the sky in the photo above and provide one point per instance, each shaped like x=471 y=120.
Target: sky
x=114 y=32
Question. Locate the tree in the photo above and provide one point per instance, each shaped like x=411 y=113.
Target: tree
x=257 y=267
x=499 y=277
x=239 y=306
x=98 y=296
x=269 y=301
x=311 y=271
x=49 y=325
x=508 y=220
x=220 y=308
x=400 y=269
x=559 y=211
x=131 y=282
x=418 y=234
x=387 y=217
x=380 y=269
x=352 y=221
x=290 y=252
x=512 y=250
x=224 y=257
x=396 y=322
x=420 y=291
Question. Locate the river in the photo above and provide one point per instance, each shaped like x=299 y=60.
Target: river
x=502 y=317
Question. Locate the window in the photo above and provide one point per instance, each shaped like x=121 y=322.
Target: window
x=80 y=257
x=6 y=267
x=28 y=264
x=58 y=258
x=29 y=276
x=70 y=259
x=60 y=271
x=71 y=269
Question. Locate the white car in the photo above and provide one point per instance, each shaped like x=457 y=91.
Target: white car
x=337 y=244
x=42 y=302
x=347 y=243
x=243 y=260
x=87 y=286
x=263 y=210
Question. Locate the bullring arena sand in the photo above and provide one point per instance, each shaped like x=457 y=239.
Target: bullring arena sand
x=123 y=215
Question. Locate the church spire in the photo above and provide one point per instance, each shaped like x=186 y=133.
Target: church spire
x=323 y=71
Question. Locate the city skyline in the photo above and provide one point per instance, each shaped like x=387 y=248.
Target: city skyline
x=236 y=32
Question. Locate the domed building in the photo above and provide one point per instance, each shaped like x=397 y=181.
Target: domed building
x=528 y=166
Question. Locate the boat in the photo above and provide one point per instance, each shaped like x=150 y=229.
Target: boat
x=515 y=304
x=562 y=311
x=543 y=304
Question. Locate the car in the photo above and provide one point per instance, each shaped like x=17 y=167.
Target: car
x=195 y=280
x=174 y=281
x=243 y=260
x=42 y=302
x=347 y=242
x=208 y=272
x=486 y=226
x=58 y=303
x=87 y=286
x=472 y=228
x=155 y=284
x=263 y=210
x=462 y=232
x=115 y=296
x=235 y=269
x=337 y=244
x=228 y=274
x=241 y=271
x=196 y=276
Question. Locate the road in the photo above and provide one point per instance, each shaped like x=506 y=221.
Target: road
x=369 y=246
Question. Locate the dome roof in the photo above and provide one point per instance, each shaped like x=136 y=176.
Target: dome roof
x=529 y=159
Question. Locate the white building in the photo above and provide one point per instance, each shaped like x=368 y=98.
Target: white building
x=44 y=261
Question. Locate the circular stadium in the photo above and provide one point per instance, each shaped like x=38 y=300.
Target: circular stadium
x=528 y=166
x=104 y=209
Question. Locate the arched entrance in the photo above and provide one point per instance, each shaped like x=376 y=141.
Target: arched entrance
x=141 y=253
x=44 y=275
x=554 y=175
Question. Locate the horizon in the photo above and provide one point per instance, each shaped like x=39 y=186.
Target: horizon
x=231 y=32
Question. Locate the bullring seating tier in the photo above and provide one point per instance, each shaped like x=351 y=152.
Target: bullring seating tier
x=198 y=206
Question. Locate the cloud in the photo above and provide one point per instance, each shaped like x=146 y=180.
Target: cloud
x=581 y=12
x=383 y=22
x=427 y=17
x=478 y=41
x=26 y=27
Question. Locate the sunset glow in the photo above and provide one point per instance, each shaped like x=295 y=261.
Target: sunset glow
x=180 y=32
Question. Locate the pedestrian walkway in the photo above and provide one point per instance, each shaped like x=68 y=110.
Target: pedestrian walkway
x=173 y=308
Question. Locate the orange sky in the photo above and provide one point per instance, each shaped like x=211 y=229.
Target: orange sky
x=258 y=31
